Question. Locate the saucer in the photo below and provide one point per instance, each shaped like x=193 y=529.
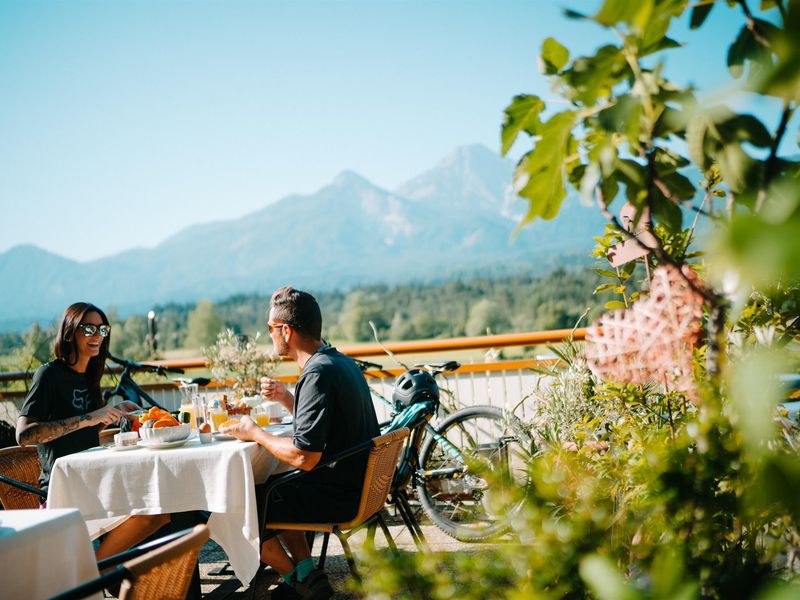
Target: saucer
x=222 y=436
x=162 y=445
x=115 y=448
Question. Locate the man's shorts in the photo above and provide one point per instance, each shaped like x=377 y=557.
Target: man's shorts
x=311 y=502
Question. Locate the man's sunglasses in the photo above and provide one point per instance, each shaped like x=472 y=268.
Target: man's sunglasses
x=273 y=326
x=90 y=330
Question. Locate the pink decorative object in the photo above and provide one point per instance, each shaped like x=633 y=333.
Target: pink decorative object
x=652 y=341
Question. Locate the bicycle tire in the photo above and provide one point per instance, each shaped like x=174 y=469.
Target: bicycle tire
x=458 y=505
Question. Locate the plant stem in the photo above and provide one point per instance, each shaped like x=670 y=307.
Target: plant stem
x=772 y=160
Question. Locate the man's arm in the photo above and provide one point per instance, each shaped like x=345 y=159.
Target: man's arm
x=281 y=448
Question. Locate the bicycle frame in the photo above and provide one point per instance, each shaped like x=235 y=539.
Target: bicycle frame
x=128 y=389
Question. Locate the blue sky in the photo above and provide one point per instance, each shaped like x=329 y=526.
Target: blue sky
x=122 y=122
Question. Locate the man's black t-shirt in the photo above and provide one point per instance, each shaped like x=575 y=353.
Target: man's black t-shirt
x=58 y=392
x=333 y=412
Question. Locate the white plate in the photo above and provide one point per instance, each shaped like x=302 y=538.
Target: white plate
x=162 y=445
x=115 y=448
x=277 y=428
x=222 y=436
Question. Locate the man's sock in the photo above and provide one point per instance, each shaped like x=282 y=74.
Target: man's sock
x=289 y=578
x=303 y=568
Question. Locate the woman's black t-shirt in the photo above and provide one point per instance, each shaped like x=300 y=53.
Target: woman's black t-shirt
x=58 y=392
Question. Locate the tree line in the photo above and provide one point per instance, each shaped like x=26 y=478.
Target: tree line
x=400 y=312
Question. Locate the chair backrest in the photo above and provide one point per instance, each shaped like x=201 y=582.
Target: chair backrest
x=381 y=466
x=20 y=463
x=165 y=572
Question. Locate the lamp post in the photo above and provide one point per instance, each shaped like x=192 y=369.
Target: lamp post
x=152 y=333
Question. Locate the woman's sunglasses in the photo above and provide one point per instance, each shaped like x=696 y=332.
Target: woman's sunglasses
x=90 y=330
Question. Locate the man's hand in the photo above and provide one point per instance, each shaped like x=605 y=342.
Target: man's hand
x=245 y=430
x=272 y=389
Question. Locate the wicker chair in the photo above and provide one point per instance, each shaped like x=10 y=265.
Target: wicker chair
x=19 y=478
x=164 y=572
x=384 y=451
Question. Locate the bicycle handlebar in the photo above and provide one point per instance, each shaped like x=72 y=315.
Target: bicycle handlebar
x=364 y=364
x=129 y=364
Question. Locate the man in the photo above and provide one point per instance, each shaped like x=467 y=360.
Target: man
x=332 y=411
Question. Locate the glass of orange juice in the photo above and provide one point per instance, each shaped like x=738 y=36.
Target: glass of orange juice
x=260 y=414
x=218 y=416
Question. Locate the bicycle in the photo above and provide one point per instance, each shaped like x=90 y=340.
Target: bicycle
x=444 y=465
x=127 y=389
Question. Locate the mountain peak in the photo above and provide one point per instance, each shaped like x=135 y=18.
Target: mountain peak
x=465 y=156
x=350 y=178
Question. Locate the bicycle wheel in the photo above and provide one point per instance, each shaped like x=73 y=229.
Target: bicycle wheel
x=455 y=497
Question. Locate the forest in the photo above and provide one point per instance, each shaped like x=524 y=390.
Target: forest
x=411 y=311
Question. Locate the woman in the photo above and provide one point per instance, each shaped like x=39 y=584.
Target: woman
x=64 y=409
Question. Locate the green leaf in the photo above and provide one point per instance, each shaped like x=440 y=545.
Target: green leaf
x=667 y=213
x=521 y=115
x=668 y=161
x=540 y=174
x=679 y=185
x=738 y=51
x=593 y=77
x=554 y=56
x=604 y=288
x=606 y=273
x=664 y=43
x=623 y=117
x=700 y=14
x=762 y=252
x=614 y=305
x=733 y=166
x=635 y=13
x=695 y=137
x=574 y=14
x=746 y=128
x=600 y=576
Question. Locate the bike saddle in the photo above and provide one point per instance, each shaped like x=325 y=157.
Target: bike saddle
x=201 y=381
x=450 y=365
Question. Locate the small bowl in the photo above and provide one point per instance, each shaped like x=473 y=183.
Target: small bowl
x=166 y=434
x=127 y=438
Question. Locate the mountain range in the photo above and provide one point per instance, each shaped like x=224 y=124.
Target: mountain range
x=456 y=219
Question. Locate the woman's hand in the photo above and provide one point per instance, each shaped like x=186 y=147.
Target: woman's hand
x=245 y=430
x=272 y=389
x=128 y=406
x=106 y=415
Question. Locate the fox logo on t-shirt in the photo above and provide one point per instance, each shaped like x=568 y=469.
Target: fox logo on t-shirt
x=80 y=399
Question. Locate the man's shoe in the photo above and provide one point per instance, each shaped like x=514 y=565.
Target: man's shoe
x=283 y=591
x=315 y=587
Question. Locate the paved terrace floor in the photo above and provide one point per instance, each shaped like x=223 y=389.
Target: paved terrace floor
x=336 y=566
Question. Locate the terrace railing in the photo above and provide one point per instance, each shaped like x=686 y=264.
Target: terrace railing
x=486 y=380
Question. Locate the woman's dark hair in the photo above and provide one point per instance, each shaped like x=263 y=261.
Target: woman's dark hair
x=66 y=348
x=299 y=310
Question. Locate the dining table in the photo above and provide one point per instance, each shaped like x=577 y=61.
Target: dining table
x=111 y=483
x=44 y=552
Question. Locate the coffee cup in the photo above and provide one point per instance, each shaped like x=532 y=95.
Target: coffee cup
x=126 y=438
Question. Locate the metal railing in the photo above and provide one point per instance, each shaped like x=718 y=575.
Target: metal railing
x=500 y=383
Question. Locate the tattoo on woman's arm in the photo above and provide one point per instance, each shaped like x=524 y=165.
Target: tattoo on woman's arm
x=46 y=431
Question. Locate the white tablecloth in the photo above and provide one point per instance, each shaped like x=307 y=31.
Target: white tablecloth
x=217 y=477
x=43 y=553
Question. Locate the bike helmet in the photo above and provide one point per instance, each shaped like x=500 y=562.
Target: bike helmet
x=414 y=386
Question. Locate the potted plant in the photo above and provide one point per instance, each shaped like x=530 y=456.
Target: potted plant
x=235 y=360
